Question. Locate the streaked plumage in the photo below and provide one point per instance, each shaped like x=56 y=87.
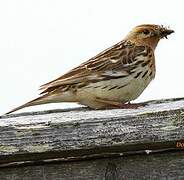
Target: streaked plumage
x=111 y=78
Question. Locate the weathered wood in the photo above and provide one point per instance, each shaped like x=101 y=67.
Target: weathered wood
x=164 y=166
x=77 y=134
x=55 y=143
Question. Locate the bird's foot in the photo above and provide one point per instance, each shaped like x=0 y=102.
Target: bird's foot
x=115 y=104
x=130 y=106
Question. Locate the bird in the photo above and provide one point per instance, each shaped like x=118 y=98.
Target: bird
x=112 y=78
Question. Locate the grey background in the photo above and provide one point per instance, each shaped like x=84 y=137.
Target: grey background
x=41 y=39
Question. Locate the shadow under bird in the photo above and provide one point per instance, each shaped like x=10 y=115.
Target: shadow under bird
x=112 y=78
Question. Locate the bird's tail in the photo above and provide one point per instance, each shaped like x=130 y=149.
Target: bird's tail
x=37 y=101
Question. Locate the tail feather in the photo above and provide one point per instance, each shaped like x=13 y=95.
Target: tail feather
x=37 y=101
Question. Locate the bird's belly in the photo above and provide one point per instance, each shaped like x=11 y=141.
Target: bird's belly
x=115 y=90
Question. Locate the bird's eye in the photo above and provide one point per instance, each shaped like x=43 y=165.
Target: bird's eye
x=146 y=31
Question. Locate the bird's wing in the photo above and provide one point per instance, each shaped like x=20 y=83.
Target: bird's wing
x=118 y=61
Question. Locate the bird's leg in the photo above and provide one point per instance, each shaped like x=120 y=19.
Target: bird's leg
x=115 y=104
x=132 y=106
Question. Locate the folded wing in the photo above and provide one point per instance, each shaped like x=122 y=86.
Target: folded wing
x=118 y=61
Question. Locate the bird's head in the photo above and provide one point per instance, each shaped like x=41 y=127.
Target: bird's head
x=148 y=34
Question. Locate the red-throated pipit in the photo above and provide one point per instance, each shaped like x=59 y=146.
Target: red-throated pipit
x=113 y=77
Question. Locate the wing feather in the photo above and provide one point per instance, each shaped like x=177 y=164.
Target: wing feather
x=116 y=61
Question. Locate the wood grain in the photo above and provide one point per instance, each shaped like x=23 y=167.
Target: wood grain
x=162 y=166
x=89 y=144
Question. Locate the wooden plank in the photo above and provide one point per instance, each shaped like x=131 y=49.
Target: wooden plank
x=135 y=167
x=77 y=134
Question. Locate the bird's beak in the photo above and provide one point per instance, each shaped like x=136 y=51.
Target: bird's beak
x=164 y=32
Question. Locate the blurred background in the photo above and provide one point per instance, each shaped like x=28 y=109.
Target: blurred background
x=43 y=39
